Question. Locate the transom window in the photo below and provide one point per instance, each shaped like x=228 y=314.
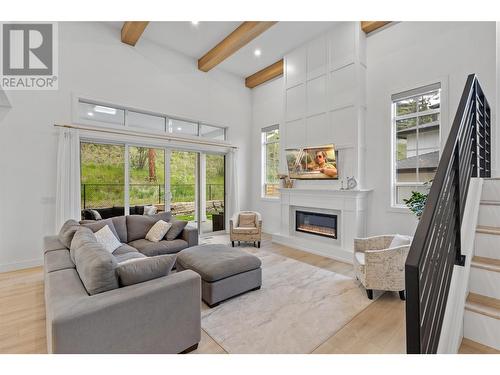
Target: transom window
x=270 y=161
x=95 y=113
x=416 y=124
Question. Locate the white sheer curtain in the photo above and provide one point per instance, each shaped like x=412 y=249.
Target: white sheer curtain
x=232 y=193
x=68 y=177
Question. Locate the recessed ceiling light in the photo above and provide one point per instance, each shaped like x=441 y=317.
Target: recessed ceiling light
x=195 y=23
x=179 y=128
x=90 y=114
x=257 y=52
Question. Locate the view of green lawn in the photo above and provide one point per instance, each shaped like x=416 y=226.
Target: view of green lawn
x=103 y=176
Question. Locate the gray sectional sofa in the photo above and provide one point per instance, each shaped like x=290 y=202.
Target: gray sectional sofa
x=161 y=315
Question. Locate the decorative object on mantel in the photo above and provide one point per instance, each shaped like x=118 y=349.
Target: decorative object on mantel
x=287 y=181
x=350 y=183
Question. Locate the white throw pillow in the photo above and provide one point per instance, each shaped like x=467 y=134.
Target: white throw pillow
x=158 y=231
x=400 y=240
x=107 y=239
x=149 y=210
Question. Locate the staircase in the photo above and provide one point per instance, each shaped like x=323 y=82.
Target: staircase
x=482 y=308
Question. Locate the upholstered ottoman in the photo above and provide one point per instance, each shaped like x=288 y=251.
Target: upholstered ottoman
x=225 y=272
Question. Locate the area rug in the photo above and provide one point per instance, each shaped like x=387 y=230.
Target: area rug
x=297 y=309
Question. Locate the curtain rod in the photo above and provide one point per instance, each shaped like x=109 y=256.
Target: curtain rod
x=144 y=135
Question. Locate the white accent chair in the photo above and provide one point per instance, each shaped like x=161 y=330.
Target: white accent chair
x=249 y=229
x=379 y=262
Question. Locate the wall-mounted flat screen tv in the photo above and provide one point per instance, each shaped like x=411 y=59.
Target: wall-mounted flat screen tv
x=312 y=163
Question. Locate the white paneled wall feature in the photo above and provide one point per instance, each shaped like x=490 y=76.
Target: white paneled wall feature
x=317 y=57
x=295 y=133
x=318 y=129
x=343 y=87
x=316 y=96
x=342 y=43
x=295 y=66
x=325 y=88
x=295 y=102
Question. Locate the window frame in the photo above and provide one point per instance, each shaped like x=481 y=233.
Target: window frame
x=264 y=143
x=77 y=99
x=415 y=91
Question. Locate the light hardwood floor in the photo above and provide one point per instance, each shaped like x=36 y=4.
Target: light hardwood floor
x=380 y=328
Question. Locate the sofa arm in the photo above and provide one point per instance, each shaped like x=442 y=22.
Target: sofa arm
x=190 y=235
x=158 y=316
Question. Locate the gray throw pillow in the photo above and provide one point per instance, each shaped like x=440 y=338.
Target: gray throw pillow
x=67 y=232
x=176 y=229
x=94 y=226
x=94 y=264
x=139 y=225
x=137 y=271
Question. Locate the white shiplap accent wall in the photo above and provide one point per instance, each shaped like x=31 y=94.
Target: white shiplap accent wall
x=324 y=93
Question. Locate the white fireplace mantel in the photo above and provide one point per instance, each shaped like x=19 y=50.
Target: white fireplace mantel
x=350 y=207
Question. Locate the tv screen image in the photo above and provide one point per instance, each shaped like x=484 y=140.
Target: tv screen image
x=312 y=163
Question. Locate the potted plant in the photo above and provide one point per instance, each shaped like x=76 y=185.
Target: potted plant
x=416 y=202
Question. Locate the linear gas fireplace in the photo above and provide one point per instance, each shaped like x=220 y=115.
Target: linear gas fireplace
x=319 y=224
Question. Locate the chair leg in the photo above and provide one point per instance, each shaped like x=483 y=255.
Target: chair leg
x=402 y=295
x=258 y=244
x=232 y=243
x=369 y=293
x=239 y=243
x=254 y=244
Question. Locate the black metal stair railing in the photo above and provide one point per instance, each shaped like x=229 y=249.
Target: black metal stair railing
x=436 y=245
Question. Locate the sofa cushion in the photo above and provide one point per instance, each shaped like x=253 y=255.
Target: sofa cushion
x=67 y=232
x=176 y=229
x=241 y=230
x=58 y=260
x=152 y=249
x=138 y=271
x=139 y=225
x=51 y=243
x=95 y=226
x=124 y=249
x=216 y=262
x=94 y=264
x=120 y=223
x=120 y=258
x=246 y=220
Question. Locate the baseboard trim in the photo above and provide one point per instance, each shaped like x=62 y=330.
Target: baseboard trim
x=16 y=266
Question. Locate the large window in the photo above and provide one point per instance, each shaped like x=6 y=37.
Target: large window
x=96 y=113
x=416 y=140
x=270 y=161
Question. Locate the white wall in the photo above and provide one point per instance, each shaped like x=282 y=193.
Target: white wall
x=267 y=109
x=93 y=62
x=404 y=56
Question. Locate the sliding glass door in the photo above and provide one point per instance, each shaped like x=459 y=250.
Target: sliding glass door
x=146 y=178
x=102 y=178
x=212 y=188
x=183 y=168
x=123 y=179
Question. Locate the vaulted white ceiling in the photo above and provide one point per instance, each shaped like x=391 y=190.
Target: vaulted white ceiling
x=195 y=40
